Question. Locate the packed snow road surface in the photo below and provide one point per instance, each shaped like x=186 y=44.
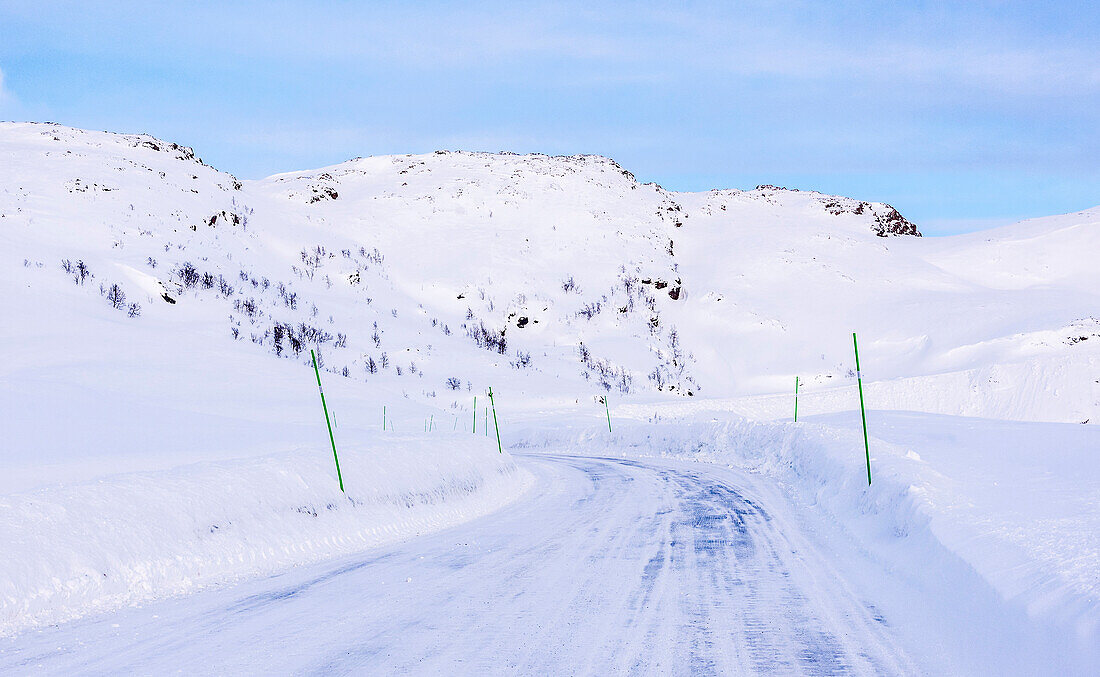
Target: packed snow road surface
x=606 y=566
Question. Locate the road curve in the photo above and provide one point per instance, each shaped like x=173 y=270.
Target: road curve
x=608 y=566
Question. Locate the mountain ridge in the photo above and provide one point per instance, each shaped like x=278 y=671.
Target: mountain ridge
x=480 y=267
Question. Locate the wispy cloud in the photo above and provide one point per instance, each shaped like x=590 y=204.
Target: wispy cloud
x=1012 y=71
x=706 y=93
x=5 y=97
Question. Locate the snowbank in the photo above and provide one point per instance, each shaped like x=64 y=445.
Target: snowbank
x=125 y=539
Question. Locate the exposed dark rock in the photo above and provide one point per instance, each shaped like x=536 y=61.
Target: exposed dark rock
x=225 y=217
x=891 y=222
x=887 y=220
x=323 y=193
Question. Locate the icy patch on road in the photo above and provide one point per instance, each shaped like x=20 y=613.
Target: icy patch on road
x=994 y=522
x=126 y=539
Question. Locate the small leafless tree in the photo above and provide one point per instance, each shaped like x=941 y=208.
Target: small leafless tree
x=116 y=297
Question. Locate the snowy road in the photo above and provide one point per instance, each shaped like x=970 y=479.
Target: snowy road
x=606 y=566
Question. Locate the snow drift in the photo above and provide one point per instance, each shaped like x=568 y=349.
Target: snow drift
x=75 y=549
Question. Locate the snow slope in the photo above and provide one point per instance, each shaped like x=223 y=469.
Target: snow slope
x=130 y=538
x=554 y=274
x=423 y=280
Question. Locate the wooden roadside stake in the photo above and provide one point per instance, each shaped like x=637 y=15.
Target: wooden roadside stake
x=862 y=410
x=324 y=406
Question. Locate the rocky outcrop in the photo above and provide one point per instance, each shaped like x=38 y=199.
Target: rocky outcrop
x=888 y=221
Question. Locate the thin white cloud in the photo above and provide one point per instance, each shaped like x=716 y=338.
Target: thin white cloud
x=891 y=51
x=10 y=108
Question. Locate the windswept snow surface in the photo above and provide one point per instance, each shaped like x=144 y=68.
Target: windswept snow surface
x=555 y=275
x=126 y=539
x=685 y=547
x=692 y=548
x=172 y=441
x=609 y=566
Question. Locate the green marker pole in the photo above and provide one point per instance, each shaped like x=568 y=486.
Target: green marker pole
x=431 y=423
x=862 y=411
x=493 y=403
x=605 y=408
x=475 y=414
x=383 y=418
x=325 y=407
x=796 y=399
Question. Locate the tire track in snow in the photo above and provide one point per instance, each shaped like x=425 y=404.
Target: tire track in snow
x=609 y=566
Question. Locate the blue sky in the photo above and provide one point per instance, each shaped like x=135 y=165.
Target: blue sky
x=962 y=115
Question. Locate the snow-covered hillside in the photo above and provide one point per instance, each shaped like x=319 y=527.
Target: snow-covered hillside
x=159 y=317
x=559 y=276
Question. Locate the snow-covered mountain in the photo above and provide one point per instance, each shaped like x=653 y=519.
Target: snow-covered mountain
x=558 y=277
x=162 y=430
